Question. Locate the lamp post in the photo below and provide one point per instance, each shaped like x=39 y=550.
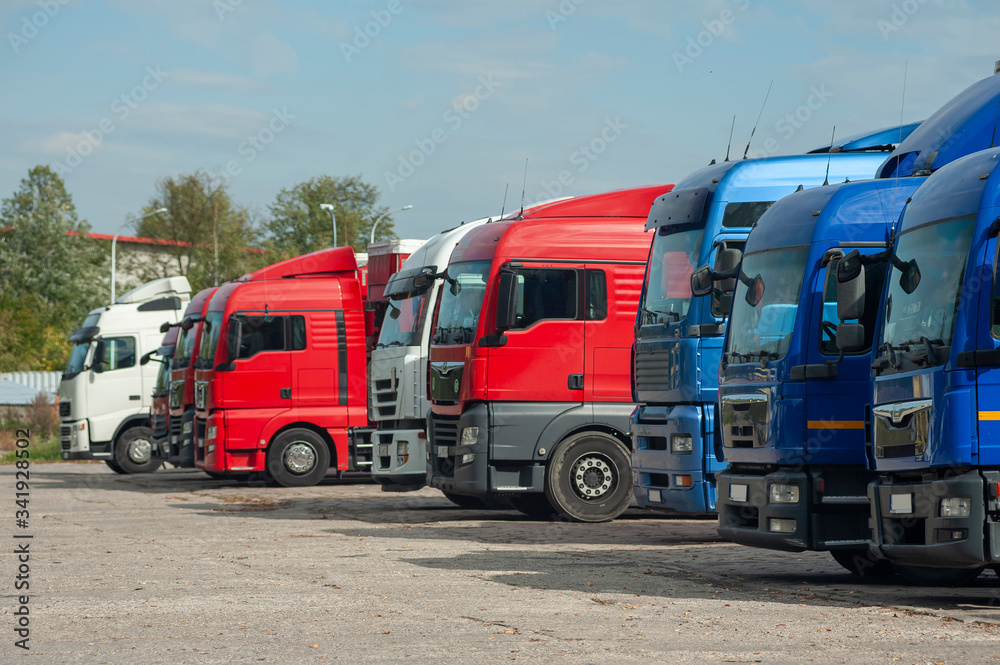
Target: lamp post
x=329 y=208
x=114 y=245
x=383 y=216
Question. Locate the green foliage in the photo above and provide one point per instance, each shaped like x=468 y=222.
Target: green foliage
x=298 y=225
x=51 y=274
x=201 y=217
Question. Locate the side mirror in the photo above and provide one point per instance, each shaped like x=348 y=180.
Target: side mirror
x=234 y=337
x=394 y=311
x=909 y=280
x=165 y=326
x=755 y=292
x=701 y=281
x=421 y=280
x=187 y=324
x=506 y=301
x=727 y=260
x=850 y=267
x=146 y=358
x=454 y=287
x=98 y=367
x=850 y=337
x=850 y=291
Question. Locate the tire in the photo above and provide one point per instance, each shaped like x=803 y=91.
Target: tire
x=589 y=478
x=465 y=501
x=861 y=562
x=298 y=458
x=924 y=576
x=113 y=465
x=535 y=505
x=134 y=451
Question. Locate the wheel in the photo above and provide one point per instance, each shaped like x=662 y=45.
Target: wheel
x=861 y=562
x=465 y=501
x=924 y=576
x=298 y=458
x=134 y=451
x=589 y=478
x=113 y=465
x=534 y=505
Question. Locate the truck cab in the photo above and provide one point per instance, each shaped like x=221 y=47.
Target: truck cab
x=159 y=413
x=180 y=446
x=529 y=357
x=105 y=395
x=398 y=366
x=678 y=339
x=280 y=381
x=792 y=396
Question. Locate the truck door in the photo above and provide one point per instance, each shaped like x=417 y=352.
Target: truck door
x=987 y=333
x=114 y=385
x=610 y=301
x=542 y=360
x=835 y=407
x=261 y=378
x=319 y=387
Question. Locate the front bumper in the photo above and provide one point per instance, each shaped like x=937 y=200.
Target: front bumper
x=831 y=511
x=449 y=468
x=180 y=451
x=663 y=479
x=394 y=470
x=909 y=528
x=75 y=444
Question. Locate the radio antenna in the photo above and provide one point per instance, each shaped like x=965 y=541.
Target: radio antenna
x=524 y=185
x=731 y=128
x=758 y=119
x=504 y=206
x=829 y=156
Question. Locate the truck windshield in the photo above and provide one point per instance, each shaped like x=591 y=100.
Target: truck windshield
x=673 y=257
x=77 y=359
x=916 y=323
x=401 y=327
x=461 y=301
x=209 y=339
x=185 y=347
x=764 y=331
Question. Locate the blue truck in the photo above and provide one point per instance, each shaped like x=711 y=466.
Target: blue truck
x=795 y=382
x=678 y=340
x=934 y=427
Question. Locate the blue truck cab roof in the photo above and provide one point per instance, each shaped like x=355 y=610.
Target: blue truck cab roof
x=783 y=315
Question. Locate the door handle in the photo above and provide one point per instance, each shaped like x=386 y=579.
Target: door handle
x=575 y=382
x=134 y=398
x=286 y=393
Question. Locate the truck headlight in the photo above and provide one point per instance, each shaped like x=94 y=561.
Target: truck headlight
x=210 y=433
x=470 y=435
x=187 y=427
x=956 y=506
x=784 y=493
x=468 y=458
x=681 y=443
x=403 y=448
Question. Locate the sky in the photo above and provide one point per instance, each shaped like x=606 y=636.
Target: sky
x=445 y=105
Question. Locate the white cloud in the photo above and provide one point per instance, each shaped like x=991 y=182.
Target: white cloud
x=219 y=82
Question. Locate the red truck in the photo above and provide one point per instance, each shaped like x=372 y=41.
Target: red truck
x=280 y=380
x=180 y=447
x=531 y=400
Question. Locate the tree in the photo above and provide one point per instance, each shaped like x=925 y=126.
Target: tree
x=212 y=239
x=51 y=274
x=298 y=225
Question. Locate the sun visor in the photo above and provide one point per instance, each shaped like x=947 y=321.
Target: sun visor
x=401 y=286
x=84 y=334
x=680 y=206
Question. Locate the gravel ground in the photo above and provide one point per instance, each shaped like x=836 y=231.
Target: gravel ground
x=175 y=567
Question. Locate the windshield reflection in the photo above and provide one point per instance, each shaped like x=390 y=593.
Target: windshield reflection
x=461 y=301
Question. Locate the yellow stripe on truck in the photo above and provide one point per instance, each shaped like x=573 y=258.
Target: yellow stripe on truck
x=836 y=424
x=989 y=415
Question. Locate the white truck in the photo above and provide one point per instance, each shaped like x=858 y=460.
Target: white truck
x=398 y=368
x=106 y=393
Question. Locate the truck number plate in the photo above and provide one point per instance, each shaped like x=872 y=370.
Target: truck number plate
x=442 y=451
x=738 y=493
x=383 y=450
x=901 y=504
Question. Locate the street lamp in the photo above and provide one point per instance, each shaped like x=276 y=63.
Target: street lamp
x=383 y=216
x=329 y=208
x=114 y=245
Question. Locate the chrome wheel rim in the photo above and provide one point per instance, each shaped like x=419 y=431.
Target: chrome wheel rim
x=592 y=476
x=299 y=458
x=140 y=450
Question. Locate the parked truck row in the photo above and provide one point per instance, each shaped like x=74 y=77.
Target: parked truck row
x=806 y=345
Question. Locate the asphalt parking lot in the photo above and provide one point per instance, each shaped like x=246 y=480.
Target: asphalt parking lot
x=175 y=567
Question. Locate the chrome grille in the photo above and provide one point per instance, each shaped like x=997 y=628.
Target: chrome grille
x=158 y=423
x=65 y=431
x=445 y=434
x=200 y=394
x=901 y=429
x=176 y=394
x=64 y=408
x=745 y=420
x=385 y=396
